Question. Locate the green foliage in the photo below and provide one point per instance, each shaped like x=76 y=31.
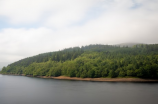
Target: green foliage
x=91 y=61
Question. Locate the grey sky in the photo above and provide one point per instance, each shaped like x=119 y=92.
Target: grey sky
x=30 y=27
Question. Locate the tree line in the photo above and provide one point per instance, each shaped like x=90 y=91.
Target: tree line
x=92 y=61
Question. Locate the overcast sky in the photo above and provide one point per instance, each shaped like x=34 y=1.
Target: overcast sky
x=31 y=27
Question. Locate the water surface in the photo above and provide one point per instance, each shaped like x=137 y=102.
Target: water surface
x=30 y=90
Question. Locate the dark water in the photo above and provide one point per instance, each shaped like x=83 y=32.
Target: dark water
x=28 y=90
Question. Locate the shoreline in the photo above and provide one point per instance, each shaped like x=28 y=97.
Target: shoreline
x=93 y=79
x=106 y=79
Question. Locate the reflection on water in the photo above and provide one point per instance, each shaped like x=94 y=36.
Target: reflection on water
x=29 y=90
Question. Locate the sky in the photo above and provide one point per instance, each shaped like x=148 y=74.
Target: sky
x=31 y=27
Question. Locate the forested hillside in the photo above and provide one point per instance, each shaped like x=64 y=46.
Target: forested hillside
x=92 y=61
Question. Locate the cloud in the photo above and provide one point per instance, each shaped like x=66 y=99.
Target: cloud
x=17 y=43
x=18 y=11
x=68 y=23
x=54 y=13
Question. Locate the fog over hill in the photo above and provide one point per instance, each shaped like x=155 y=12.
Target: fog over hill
x=129 y=44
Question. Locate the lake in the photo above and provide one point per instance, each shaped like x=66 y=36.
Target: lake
x=30 y=90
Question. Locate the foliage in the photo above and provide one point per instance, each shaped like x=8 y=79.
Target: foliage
x=92 y=61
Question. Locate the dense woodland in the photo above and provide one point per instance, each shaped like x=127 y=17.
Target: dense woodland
x=92 y=61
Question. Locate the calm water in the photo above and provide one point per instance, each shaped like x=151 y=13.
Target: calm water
x=28 y=90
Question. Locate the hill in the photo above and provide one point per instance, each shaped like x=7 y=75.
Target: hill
x=92 y=61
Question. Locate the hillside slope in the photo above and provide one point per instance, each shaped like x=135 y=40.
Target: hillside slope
x=91 y=61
